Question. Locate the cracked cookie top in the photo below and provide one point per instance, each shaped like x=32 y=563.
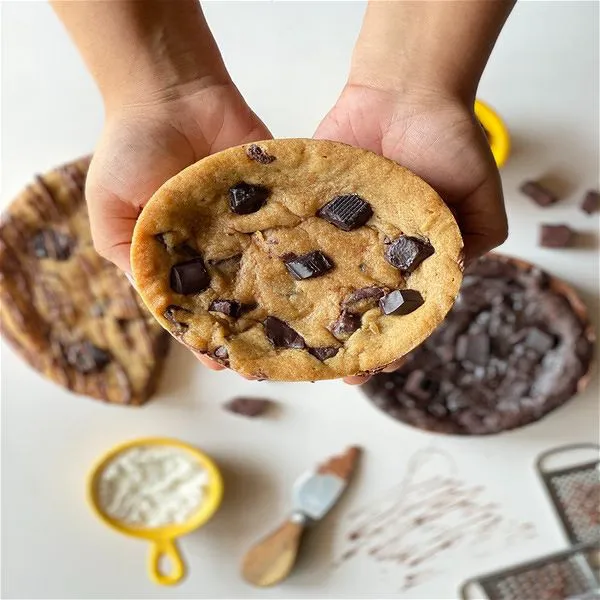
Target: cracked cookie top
x=298 y=259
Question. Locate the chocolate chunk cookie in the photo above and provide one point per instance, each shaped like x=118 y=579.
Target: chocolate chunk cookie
x=298 y=259
x=69 y=313
x=516 y=345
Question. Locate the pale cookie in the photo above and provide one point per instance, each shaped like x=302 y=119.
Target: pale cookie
x=298 y=259
x=69 y=313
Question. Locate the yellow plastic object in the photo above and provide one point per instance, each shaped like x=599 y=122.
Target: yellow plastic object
x=498 y=135
x=163 y=544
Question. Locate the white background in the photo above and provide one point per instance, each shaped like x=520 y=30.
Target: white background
x=290 y=61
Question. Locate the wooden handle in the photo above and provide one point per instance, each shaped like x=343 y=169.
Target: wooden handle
x=272 y=559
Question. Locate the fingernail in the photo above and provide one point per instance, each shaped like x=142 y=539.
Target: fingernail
x=130 y=279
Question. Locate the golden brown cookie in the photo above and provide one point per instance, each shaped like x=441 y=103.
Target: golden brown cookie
x=71 y=314
x=298 y=259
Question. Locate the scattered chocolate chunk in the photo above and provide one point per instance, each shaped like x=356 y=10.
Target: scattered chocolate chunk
x=281 y=335
x=539 y=340
x=307 y=265
x=473 y=347
x=540 y=194
x=420 y=386
x=406 y=253
x=346 y=212
x=346 y=324
x=401 y=302
x=246 y=198
x=231 y=308
x=261 y=156
x=591 y=202
x=86 y=357
x=556 y=236
x=248 y=407
x=190 y=277
x=170 y=314
x=52 y=244
x=324 y=352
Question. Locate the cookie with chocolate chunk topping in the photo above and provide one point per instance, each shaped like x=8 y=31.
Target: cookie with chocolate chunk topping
x=345 y=259
x=69 y=313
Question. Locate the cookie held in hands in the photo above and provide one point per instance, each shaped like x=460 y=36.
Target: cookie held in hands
x=298 y=259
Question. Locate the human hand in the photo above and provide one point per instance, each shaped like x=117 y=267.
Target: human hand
x=144 y=144
x=437 y=137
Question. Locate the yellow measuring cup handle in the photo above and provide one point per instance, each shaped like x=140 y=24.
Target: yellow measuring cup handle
x=162 y=551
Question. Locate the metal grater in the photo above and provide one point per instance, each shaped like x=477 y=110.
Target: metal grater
x=560 y=576
x=571 y=475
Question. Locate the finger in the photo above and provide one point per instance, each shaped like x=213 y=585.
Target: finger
x=394 y=366
x=208 y=362
x=357 y=379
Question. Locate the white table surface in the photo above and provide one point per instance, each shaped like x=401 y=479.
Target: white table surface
x=290 y=60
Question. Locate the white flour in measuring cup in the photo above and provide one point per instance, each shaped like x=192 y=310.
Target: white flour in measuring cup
x=152 y=486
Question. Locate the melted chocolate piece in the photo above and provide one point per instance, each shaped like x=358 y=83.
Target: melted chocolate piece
x=307 y=265
x=52 y=244
x=179 y=327
x=556 y=236
x=324 y=352
x=346 y=324
x=541 y=195
x=281 y=335
x=591 y=202
x=406 y=253
x=245 y=198
x=346 y=212
x=231 y=308
x=401 y=302
x=189 y=277
x=259 y=155
x=373 y=293
x=248 y=407
x=86 y=357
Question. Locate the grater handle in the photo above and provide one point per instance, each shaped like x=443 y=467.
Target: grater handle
x=544 y=460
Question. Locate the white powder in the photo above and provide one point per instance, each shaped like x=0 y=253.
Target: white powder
x=152 y=486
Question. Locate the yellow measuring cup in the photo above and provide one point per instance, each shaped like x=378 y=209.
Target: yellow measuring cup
x=162 y=539
x=498 y=135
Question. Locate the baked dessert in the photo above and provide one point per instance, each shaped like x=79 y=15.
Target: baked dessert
x=517 y=345
x=69 y=313
x=297 y=259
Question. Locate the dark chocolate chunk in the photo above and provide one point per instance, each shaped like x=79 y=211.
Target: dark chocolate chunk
x=539 y=340
x=281 y=335
x=540 y=194
x=86 y=357
x=346 y=324
x=556 y=236
x=190 y=277
x=170 y=314
x=261 y=156
x=246 y=198
x=373 y=293
x=401 y=302
x=346 y=212
x=474 y=348
x=231 y=308
x=52 y=244
x=308 y=265
x=406 y=253
x=420 y=386
x=324 y=352
x=248 y=407
x=591 y=202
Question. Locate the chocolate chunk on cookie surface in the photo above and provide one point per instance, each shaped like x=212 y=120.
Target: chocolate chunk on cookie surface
x=517 y=345
x=301 y=239
x=69 y=313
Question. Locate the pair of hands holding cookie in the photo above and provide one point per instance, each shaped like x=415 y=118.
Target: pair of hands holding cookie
x=170 y=102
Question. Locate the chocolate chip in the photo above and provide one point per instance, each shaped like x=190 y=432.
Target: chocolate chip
x=248 y=407
x=52 y=244
x=591 y=202
x=281 y=335
x=246 y=198
x=221 y=352
x=189 y=277
x=539 y=341
x=231 y=308
x=556 y=236
x=401 y=302
x=367 y=293
x=170 y=315
x=406 y=253
x=346 y=212
x=324 y=352
x=261 y=156
x=346 y=324
x=307 y=265
x=86 y=357
x=474 y=348
x=541 y=195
